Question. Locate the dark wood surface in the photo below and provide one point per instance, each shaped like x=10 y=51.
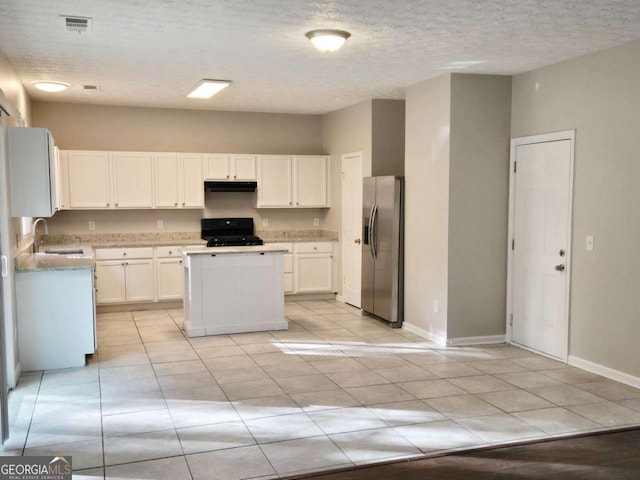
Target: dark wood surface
x=610 y=456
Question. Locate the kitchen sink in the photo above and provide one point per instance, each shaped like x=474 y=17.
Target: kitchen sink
x=64 y=251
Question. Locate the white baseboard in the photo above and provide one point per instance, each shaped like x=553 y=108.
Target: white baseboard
x=340 y=298
x=610 y=373
x=485 y=340
x=435 y=337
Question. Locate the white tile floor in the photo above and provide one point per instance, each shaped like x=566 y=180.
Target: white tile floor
x=335 y=389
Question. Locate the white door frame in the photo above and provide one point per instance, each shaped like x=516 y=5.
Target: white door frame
x=515 y=142
x=344 y=157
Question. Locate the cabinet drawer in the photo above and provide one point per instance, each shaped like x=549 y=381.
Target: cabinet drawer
x=168 y=252
x=314 y=247
x=118 y=253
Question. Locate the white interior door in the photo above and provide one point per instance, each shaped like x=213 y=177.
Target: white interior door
x=352 y=228
x=541 y=222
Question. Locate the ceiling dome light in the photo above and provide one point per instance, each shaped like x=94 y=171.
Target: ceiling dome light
x=328 y=40
x=51 y=86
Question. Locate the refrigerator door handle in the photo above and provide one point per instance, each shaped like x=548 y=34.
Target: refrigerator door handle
x=373 y=232
x=370 y=231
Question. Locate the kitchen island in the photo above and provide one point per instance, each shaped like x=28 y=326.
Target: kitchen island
x=233 y=290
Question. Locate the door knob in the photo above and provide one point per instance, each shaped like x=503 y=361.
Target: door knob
x=357 y=240
x=560 y=267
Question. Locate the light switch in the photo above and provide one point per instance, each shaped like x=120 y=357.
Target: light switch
x=436 y=306
x=160 y=223
x=92 y=225
x=590 y=243
x=316 y=222
x=265 y=222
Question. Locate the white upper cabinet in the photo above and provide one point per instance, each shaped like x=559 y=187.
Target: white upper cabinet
x=275 y=174
x=133 y=180
x=179 y=181
x=191 y=184
x=243 y=167
x=311 y=181
x=167 y=167
x=87 y=179
x=230 y=167
x=33 y=174
x=217 y=167
x=301 y=181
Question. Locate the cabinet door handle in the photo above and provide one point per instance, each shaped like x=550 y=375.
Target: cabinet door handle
x=116 y=204
x=227 y=176
x=122 y=264
x=170 y=252
x=108 y=204
x=175 y=204
x=235 y=176
x=124 y=254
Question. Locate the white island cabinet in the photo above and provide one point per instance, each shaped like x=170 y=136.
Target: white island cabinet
x=233 y=290
x=56 y=317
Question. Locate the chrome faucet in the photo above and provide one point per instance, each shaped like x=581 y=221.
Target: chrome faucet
x=34 y=230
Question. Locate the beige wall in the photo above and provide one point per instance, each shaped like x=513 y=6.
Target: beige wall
x=427 y=203
x=599 y=96
x=478 y=204
x=99 y=127
x=217 y=204
x=95 y=127
x=387 y=125
x=346 y=130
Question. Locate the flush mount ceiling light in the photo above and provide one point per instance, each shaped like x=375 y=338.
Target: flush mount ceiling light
x=51 y=86
x=328 y=40
x=208 y=88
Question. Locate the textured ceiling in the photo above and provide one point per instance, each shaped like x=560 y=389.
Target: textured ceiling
x=150 y=53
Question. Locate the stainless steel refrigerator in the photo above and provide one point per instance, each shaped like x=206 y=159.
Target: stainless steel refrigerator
x=383 y=252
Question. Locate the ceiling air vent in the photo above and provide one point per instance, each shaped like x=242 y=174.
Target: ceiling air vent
x=90 y=88
x=77 y=24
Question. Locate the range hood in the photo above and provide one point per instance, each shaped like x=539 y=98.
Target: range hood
x=230 y=186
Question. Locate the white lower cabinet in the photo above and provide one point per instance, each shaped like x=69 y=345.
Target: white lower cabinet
x=309 y=267
x=129 y=275
x=125 y=275
x=313 y=267
x=169 y=273
x=110 y=283
x=288 y=265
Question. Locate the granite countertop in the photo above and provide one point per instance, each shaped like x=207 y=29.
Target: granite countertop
x=37 y=262
x=122 y=240
x=223 y=250
x=273 y=236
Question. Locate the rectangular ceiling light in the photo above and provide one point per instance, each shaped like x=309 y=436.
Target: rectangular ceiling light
x=207 y=88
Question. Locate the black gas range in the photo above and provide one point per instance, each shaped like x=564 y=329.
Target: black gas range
x=229 y=232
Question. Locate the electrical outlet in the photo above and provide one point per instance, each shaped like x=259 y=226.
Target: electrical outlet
x=436 y=306
x=160 y=224
x=92 y=225
x=589 y=243
x=265 y=222
x=316 y=222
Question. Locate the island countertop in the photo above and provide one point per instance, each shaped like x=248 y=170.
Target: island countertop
x=237 y=249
